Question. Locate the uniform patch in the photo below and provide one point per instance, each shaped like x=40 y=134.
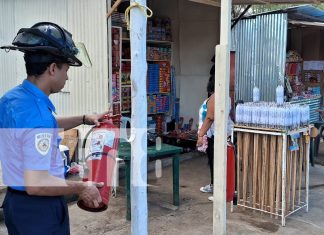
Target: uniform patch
x=43 y=142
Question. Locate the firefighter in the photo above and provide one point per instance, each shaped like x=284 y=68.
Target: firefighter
x=32 y=165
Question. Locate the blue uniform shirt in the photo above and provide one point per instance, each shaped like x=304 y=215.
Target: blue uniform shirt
x=29 y=137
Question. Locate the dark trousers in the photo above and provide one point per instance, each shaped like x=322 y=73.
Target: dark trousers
x=35 y=215
x=210 y=155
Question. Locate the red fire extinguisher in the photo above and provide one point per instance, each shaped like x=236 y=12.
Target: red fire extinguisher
x=230 y=186
x=101 y=160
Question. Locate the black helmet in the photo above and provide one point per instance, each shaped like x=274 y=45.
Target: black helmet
x=49 y=38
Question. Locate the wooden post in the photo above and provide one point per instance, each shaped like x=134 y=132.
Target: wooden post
x=246 y=153
x=293 y=180
x=238 y=164
x=279 y=179
x=256 y=157
x=265 y=152
x=222 y=75
x=288 y=179
x=301 y=156
x=272 y=174
x=139 y=120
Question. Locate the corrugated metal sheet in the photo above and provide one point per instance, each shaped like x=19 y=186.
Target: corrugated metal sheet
x=87 y=88
x=260 y=45
x=8 y=77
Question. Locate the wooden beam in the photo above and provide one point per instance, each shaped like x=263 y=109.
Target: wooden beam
x=261 y=1
x=116 y=4
x=222 y=75
x=207 y=2
x=246 y=2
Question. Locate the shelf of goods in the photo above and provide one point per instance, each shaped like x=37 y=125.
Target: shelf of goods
x=159 y=51
x=273 y=170
x=116 y=57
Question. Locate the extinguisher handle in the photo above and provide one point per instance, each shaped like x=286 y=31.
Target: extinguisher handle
x=115 y=117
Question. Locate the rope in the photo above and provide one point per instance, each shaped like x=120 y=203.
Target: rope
x=143 y=8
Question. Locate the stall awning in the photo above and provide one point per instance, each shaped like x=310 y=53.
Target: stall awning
x=305 y=13
x=255 y=2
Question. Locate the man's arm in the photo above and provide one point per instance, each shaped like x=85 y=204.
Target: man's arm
x=67 y=123
x=41 y=183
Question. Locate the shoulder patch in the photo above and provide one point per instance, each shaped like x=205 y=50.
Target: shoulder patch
x=43 y=142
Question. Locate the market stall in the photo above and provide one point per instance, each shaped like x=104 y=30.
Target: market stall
x=282 y=47
x=273 y=142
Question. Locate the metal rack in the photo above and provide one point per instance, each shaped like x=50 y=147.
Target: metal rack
x=272 y=173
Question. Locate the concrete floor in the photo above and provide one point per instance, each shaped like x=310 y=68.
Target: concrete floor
x=194 y=216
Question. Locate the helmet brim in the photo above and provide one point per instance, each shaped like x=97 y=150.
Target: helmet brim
x=72 y=60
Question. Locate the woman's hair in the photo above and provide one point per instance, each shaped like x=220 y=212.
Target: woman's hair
x=211 y=85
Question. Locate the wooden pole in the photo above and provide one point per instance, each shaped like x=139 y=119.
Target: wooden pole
x=259 y=182
x=250 y=174
x=263 y=172
x=246 y=153
x=222 y=75
x=279 y=179
x=288 y=182
x=301 y=156
x=272 y=176
x=220 y=141
x=293 y=181
x=238 y=164
x=255 y=168
x=116 y=4
x=139 y=120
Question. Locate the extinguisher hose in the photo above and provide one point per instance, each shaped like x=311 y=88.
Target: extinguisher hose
x=84 y=144
x=85 y=158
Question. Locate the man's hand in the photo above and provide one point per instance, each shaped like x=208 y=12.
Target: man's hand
x=94 y=119
x=90 y=194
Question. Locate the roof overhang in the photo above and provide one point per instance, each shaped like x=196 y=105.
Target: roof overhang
x=306 y=23
x=217 y=3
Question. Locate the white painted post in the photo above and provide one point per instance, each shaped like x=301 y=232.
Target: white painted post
x=139 y=120
x=222 y=76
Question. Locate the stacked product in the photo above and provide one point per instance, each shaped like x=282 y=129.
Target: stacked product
x=153 y=75
x=158 y=53
x=271 y=115
x=159 y=125
x=126 y=70
x=165 y=77
x=115 y=48
x=115 y=87
x=126 y=98
x=159 y=29
x=151 y=104
x=162 y=103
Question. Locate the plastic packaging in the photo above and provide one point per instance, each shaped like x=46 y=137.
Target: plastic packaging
x=256 y=94
x=280 y=95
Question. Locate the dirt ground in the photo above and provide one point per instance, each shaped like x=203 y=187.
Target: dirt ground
x=194 y=216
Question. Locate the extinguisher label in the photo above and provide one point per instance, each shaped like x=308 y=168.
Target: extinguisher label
x=100 y=139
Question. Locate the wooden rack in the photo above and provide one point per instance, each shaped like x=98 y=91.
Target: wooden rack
x=272 y=178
